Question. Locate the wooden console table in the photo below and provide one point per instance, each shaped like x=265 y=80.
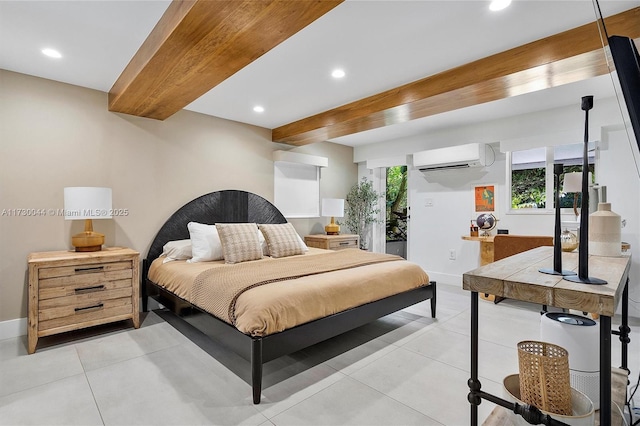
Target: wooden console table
x=486 y=248
x=517 y=277
x=486 y=257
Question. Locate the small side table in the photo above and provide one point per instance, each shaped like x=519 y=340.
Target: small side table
x=486 y=248
x=72 y=290
x=332 y=242
x=486 y=257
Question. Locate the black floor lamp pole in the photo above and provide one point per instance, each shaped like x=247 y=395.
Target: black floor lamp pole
x=557 y=245
x=583 y=249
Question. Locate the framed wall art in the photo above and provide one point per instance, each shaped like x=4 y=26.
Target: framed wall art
x=484 y=198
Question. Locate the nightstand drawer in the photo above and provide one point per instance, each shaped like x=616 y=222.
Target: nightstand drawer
x=61 y=287
x=332 y=242
x=82 y=270
x=64 y=306
x=337 y=245
x=82 y=314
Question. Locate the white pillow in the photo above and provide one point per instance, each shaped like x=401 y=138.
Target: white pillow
x=263 y=243
x=304 y=246
x=176 y=250
x=205 y=243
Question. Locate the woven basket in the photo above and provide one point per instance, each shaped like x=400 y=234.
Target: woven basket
x=544 y=376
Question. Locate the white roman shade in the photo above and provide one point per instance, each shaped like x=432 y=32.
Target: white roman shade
x=296 y=183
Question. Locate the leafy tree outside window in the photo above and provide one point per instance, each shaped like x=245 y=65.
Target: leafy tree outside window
x=528 y=188
x=396 y=200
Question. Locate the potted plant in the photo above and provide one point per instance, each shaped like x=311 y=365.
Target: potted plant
x=360 y=209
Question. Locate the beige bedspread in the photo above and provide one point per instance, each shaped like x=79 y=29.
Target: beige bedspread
x=287 y=292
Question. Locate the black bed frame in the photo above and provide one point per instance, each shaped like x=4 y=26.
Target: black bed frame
x=239 y=207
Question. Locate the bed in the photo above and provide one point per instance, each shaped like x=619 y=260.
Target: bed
x=363 y=286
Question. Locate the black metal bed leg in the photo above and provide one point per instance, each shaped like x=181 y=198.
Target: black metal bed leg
x=144 y=293
x=256 y=369
x=433 y=299
x=145 y=298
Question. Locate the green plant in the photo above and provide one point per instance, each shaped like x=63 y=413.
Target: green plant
x=528 y=188
x=396 y=195
x=360 y=209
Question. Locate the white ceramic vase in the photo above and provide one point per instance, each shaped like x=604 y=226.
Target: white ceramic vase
x=605 y=232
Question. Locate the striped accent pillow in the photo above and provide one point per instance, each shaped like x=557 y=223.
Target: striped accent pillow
x=282 y=239
x=239 y=242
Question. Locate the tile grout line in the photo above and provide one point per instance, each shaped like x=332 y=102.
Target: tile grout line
x=84 y=372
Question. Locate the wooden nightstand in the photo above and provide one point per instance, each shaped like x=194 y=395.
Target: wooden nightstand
x=70 y=290
x=332 y=242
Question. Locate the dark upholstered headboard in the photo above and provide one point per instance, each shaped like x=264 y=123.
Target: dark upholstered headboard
x=216 y=207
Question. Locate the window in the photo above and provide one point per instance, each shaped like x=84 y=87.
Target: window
x=296 y=183
x=570 y=156
x=528 y=179
x=296 y=189
x=530 y=175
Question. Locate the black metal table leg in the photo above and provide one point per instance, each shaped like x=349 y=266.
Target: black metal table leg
x=474 y=384
x=605 y=370
x=624 y=328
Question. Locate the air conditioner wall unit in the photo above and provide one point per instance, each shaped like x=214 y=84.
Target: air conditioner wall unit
x=452 y=157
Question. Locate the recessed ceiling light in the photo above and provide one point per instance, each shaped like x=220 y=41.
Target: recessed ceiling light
x=337 y=73
x=258 y=108
x=52 y=53
x=499 y=4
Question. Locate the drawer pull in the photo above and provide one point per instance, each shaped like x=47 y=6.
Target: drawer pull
x=90 y=308
x=345 y=243
x=84 y=290
x=89 y=270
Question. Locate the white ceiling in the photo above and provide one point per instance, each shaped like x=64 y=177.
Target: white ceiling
x=380 y=44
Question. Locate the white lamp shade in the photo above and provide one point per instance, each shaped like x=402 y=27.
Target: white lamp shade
x=573 y=182
x=333 y=207
x=85 y=202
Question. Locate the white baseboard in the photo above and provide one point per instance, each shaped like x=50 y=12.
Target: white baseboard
x=13 y=328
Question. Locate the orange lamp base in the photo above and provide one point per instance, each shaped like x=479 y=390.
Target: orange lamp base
x=88 y=240
x=332 y=228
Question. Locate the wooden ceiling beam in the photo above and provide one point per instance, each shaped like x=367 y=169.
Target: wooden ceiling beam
x=199 y=43
x=563 y=58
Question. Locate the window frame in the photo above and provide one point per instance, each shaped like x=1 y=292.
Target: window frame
x=549 y=182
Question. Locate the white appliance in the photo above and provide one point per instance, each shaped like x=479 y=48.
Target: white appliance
x=452 y=157
x=580 y=337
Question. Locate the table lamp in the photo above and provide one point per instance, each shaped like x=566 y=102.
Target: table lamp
x=333 y=207
x=87 y=203
x=573 y=184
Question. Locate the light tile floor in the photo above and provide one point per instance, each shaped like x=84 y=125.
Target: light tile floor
x=404 y=369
